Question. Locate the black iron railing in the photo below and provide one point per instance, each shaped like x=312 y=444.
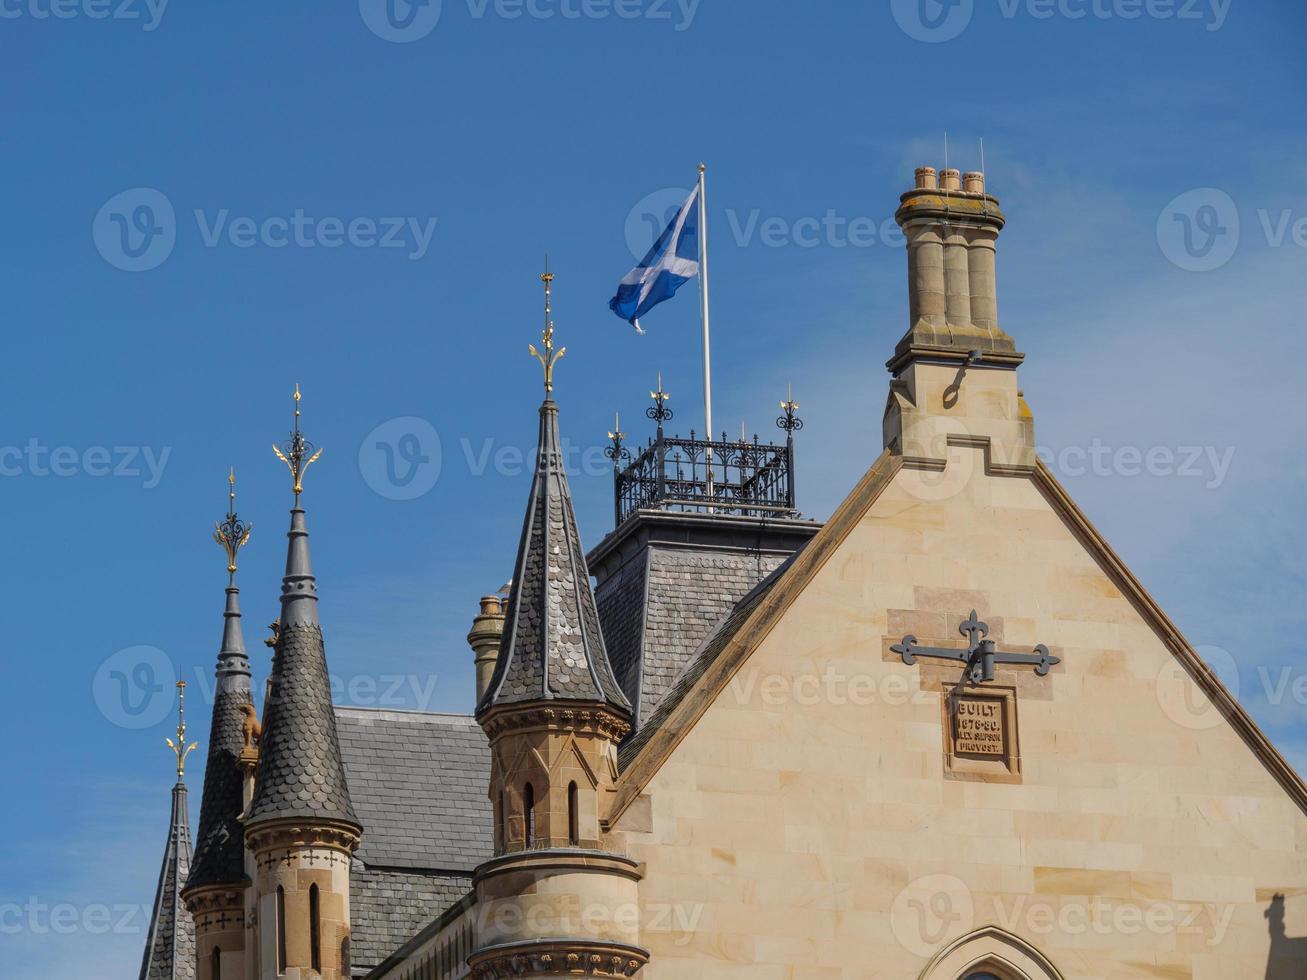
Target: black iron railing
x=731 y=477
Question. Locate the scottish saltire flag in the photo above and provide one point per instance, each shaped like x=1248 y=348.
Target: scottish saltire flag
x=672 y=262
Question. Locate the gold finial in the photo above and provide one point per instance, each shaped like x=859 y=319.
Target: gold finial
x=179 y=747
x=660 y=413
x=549 y=358
x=233 y=533
x=790 y=405
x=297 y=453
x=790 y=422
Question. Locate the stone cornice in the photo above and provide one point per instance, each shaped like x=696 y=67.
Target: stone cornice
x=215 y=898
x=563 y=859
x=561 y=716
x=271 y=835
x=558 y=957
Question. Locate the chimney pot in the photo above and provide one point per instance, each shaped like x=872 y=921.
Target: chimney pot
x=950 y=180
x=484 y=638
x=927 y=179
x=973 y=182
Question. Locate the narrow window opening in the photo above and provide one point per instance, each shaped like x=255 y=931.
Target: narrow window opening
x=573 y=816
x=315 y=930
x=281 y=930
x=215 y=964
x=501 y=824
x=529 y=801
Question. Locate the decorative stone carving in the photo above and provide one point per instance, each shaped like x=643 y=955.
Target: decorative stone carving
x=558 y=958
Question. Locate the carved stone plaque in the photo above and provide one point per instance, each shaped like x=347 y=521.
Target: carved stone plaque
x=978 y=727
x=980 y=734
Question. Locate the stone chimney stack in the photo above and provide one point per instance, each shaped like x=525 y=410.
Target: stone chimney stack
x=487 y=629
x=955 y=381
x=952 y=228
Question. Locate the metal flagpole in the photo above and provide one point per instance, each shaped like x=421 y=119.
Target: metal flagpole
x=703 y=299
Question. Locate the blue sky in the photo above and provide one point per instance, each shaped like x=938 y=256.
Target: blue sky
x=429 y=163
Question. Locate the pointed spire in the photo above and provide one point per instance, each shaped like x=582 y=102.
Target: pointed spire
x=219 y=854
x=552 y=648
x=300 y=773
x=232 y=535
x=170 y=939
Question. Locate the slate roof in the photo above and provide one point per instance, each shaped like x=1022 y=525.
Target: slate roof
x=552 y=647
x=219 y=851
x=388 y=908
x=300 y=773
x=421 y=784
x=697 y=665
x=657 y=612
x=170 y=940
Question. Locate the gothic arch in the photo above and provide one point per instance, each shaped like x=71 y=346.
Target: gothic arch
x=990 y=950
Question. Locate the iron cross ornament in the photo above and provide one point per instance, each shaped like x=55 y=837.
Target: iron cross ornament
x=980 y=656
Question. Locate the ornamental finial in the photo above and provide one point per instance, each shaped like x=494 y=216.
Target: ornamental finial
x=233 y=533
x=549 y=358
x=179 y=747
x=659 y=412
x=297 y=452
x=790 y=422
x=617 y=452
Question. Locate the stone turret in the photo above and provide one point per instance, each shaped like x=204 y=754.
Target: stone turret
x=555 y=902
x=301 y=830
x=215 y=891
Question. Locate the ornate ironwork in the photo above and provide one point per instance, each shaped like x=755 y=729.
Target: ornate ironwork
x=549 y=358
x=790 y=422
x=659 y=412
x=233 y=533
x=618 y=452
x=297 y=452
x=980 y=656
x=708 y=476
x=179 y=747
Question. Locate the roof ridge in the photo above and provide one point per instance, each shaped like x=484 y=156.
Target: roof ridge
x=415 y=712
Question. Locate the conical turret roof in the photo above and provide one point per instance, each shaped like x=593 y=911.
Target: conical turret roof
x=219 y=852
x=551 y=648
x=300 y=773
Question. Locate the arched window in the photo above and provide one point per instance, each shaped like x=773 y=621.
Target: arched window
x=529 y=802
x=990 y=953
x=215 y=964
x=315 y=929
x=281 y=930
x=573 y=816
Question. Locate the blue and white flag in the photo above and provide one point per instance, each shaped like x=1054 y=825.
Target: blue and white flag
x=672 y=262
